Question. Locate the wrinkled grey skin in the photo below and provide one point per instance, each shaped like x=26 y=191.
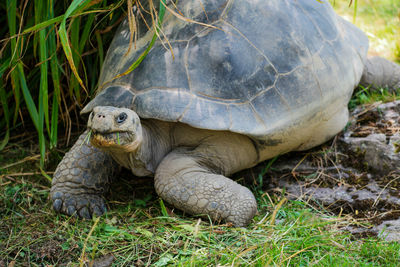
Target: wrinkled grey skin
x=244 y=90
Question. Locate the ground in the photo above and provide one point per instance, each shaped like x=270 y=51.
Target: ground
x=294 y=225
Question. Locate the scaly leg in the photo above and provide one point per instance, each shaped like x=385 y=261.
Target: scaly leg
x=81 y=179
x=192 y=180
x=380 y=72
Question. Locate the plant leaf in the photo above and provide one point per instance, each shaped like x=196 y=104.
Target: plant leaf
x=75 y=6
x=153 y=40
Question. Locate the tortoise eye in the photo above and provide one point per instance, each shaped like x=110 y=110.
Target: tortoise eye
x=122 y=117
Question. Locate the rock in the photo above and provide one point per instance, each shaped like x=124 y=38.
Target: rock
x=374 y=135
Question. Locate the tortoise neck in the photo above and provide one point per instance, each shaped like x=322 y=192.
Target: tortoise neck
x=155 y=144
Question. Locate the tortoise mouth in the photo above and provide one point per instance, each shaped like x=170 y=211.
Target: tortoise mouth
x=119 y=140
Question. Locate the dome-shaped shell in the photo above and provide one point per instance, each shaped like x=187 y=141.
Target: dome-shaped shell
x=264 y=64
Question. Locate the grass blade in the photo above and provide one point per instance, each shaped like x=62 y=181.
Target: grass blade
x=55 y=20
x=355 y=11
x=78 y=41
x=75 y=6
x=17 y=93
x=55 y=75
x=164 y=211
x=43 y=25
x=28 y=97
x=85 y=36
x=153 y=40
x=43 y=95
x=3 y=102
x=43 y=105
x=100 y=49
x=74 y=39
x=11 y=18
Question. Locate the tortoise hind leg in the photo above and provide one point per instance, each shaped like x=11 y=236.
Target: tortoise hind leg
x=81 y=179
x=380 y=72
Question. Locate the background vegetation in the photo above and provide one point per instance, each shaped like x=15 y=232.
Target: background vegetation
x=51 y=53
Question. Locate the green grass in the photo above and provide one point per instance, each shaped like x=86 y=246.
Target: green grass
x=379 y=19
x=142 y=231
x=364 y=96
x=40 y=61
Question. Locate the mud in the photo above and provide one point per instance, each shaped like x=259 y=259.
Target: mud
x=356 y=174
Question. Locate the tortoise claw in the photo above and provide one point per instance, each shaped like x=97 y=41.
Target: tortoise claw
x=84 y=213
x=71 y=210
x=98 y=211
x=83 y=206
x=57 y=204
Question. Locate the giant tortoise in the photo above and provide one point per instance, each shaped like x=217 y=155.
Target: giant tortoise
x=260 y=79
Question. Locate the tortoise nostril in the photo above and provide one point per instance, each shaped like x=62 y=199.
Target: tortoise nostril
x=122 y=117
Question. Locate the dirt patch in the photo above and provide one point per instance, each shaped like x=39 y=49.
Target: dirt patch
x=373 y=136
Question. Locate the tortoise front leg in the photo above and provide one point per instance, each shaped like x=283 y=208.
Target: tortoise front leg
x=81 y=179
x=184 y=181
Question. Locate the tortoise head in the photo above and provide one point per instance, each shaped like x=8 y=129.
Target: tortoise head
x=117 y=129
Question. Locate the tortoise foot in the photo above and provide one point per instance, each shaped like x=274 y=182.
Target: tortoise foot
x=81 y=205
x=81 y=179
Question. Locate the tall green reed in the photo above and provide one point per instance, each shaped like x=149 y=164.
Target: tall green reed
x=51 y=53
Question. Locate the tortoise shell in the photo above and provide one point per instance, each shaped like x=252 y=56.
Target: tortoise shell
x=258 y=67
